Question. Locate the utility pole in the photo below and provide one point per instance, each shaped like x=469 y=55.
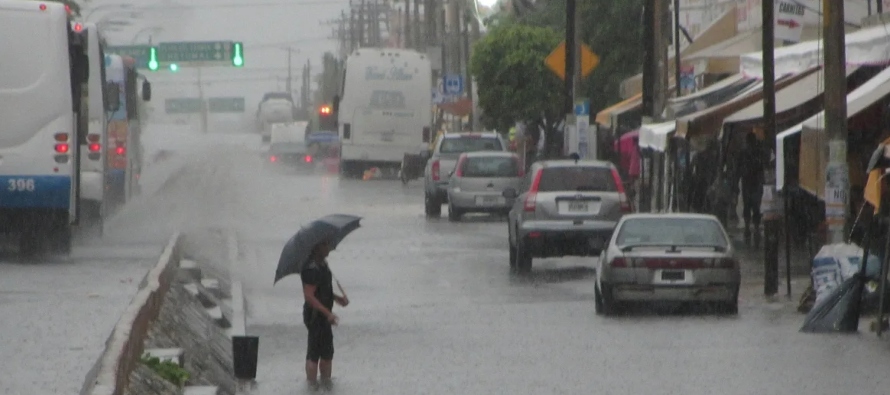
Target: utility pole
x=429 y=19
x=409 y=39
x=353 y=31
x=770 y=220
x=568 y=104
x=204 y=108
x=837 y=173
x=289 y=71
x=678 y=73
x=361 y=25
x=417 y=37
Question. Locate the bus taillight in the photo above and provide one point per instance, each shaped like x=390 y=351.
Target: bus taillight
x=62 y=148
x=61 y=137
x=120 y=150
x=95 y=147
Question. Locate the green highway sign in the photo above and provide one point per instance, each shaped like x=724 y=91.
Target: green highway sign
x=226 y=104
x=196 y=53
x=182 y=105
x=139 y=53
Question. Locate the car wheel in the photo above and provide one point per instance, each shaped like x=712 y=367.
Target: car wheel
x=432 y=207
x=453 y=213
x=598 y=299
x=523 y=259
x=609 y=305
x=731 y=308
x=512 y=257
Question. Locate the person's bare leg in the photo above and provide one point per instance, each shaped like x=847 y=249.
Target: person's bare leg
x=324 y=367
x=312 y=372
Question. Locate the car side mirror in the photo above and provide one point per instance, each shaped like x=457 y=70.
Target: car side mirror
x=510 y=193
x=112 y=97
x=146 y=91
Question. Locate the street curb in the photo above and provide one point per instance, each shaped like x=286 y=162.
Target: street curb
x=239 y=319
x=111 y=373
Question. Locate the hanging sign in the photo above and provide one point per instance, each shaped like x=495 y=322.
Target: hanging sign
x=789 y=20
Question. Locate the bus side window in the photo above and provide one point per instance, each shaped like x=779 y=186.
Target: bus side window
x=347 y=131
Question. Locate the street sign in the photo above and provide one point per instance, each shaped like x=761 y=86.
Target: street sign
x=438 y=97
x=789 y=20
x=582 y=108
x=182 y=105
x=454 y=84
x=556 y=61
x=139 y=53
x=225 y=104
x=196 y=53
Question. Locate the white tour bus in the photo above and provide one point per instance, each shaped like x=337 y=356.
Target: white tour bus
x=385 y=110
x=42 y=82
x=102 y=98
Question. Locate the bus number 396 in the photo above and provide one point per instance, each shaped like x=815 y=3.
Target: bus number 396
x=21 y=185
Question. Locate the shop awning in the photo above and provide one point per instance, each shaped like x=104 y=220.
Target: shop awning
x=710 y=121
x=791 y=97
x=705 y=98
x=604 y=117
x=869 y=46
x=812 y=156
x=655 y=136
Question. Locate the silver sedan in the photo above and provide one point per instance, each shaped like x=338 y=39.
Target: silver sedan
x=479 y=181
x=668 y=257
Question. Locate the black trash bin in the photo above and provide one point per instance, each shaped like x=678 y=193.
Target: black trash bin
x=245 y=350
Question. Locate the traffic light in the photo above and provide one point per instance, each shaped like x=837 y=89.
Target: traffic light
x=237 y=55
x=153 y=58
x=326 y=120
x=174 y=67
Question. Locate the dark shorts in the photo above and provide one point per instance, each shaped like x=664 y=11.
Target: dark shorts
x=321 y=342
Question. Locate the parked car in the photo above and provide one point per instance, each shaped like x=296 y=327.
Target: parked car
x=668 y=257
x=441 y=163
x=479 y=180
x=568 y=208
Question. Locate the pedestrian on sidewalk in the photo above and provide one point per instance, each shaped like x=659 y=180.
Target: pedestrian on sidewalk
x=318 y=316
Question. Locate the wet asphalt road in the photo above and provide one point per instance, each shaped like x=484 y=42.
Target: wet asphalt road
x=435 y=311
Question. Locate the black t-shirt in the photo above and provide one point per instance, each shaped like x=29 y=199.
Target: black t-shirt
x=321 y=277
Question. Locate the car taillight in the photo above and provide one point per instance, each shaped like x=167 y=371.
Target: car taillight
x=622 y=196
x=531 y=198
x=618 y=262
x=120 y=150
x=435 y=170
x=459 y=167
x=272 y=158
x=307 y=159
x=62 y=148
x=725 y=263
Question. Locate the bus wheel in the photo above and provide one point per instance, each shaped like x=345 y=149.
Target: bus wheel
x=61 y=240
x=29 y=244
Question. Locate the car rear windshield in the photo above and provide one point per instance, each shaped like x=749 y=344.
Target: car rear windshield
x=459 y=145
x=577 y=178
x=490 y=167
x=672 y=232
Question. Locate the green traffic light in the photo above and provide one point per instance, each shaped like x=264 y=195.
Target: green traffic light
x=153 y=59
x=237 y=55
x=174 y=67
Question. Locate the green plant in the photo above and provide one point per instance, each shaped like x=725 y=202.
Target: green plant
x=168 y=370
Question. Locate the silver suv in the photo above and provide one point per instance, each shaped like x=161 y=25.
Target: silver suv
x=567 y=208
x=444 y=157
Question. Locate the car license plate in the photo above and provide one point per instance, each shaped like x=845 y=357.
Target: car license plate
x=487 y=200
x=578 y=206
x=672 y=275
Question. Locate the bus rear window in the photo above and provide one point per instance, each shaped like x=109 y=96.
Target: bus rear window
x=459 y=145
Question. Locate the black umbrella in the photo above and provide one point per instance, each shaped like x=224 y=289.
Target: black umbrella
x=331 y=228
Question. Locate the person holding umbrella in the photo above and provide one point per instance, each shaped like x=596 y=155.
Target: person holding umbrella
x=318 y=292
x=306 y=253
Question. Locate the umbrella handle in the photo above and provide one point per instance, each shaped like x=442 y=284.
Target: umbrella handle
x=339 y=286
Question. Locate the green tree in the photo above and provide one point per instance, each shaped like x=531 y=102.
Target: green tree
x=513 y=82
x=611 y=30
x=329 y=79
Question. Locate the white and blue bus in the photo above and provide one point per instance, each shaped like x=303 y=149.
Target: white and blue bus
x=42 y=85
x=102 y=98
x=124 y=140
x=385 y=109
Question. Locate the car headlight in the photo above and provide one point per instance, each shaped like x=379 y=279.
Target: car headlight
x=871 y=286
